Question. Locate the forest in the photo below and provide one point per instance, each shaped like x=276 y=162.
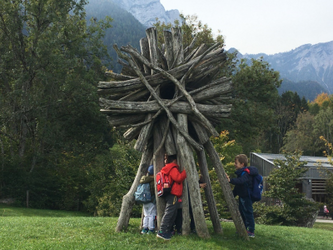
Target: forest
x=57 y=151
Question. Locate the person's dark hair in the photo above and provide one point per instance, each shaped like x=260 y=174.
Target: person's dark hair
x=242 y=159
x=171 y=158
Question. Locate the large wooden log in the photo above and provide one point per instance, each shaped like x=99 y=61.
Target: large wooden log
x=187 y=160
x=152 y=41
x=169 y=143
x=177 y=38
x=136 y=95
x=189 y=48
x=168 y=48
x=222 y=86
x=132 y=133
x=144 y=135
x=153 y=106
x=121 y=119
x=221 y=175
x=158 y=161
x=128 y=199
x=214 y=215
x=144 y=47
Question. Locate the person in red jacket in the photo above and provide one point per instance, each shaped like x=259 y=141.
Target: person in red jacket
x=172 y=200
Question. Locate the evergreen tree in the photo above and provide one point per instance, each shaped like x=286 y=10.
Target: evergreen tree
x=50 y=64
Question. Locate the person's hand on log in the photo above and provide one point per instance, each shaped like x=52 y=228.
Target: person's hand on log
x=227 y=177
x=203 y=185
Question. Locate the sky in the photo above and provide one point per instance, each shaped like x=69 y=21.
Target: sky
x=263 y=26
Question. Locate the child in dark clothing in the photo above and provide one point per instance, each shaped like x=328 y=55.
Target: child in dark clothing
x=242 y=183
x=149 y=209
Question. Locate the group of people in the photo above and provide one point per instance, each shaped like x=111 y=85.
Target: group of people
x=173 y=200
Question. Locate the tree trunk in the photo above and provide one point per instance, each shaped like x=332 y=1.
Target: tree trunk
x=128 y=199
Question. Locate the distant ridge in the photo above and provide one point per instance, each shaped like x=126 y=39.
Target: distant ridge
x=146 y=11
x=310 y=64
x=126 y=29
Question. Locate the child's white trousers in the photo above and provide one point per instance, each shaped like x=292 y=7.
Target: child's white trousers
x=149 y=211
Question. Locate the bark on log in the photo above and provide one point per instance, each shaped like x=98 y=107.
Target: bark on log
x=144 y=47
x=177 y=39
x=188 y=48
x=214 y=215
x=132 y=133
x=154 y=106
x=220 y=87
x=144 y=135
x=152 y=41
x=117 y=120
x=200 y=50
x=233 y=208
x=158 y=161
x=169 y=144
x=135 y=95
x=188 y=163
x=168 y=48
x=128 y=199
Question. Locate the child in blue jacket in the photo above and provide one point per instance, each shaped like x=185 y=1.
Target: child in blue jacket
x=242 y=184
x=149 y=209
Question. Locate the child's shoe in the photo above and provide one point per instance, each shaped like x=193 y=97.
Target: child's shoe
x=164 y=236
x=152 y=231
x=251 y=235
x=144 y=231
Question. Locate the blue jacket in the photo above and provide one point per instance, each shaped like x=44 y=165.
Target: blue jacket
x=243 y=182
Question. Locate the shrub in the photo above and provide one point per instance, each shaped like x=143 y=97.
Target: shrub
x=296 y=210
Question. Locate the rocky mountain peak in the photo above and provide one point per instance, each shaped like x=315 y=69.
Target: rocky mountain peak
x=146 y=11
x=305 y=63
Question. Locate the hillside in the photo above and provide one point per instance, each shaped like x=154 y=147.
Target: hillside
x=308 y=89
x=306 y=63
x=126 y=29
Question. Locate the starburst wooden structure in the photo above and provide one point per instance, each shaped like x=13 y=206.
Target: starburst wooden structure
x=170 y=98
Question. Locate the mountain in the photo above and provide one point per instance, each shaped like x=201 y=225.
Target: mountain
x=146 y=11
x=308 y=89
x=126 y=29
x=307 y=63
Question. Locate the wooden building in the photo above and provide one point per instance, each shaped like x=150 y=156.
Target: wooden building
x=312 y=183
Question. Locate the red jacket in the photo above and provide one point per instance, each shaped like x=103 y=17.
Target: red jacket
x=172 y=169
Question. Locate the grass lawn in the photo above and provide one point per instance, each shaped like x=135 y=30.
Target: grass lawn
x=46 y=229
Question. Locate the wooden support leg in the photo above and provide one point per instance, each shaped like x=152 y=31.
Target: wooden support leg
x=158 y=161
x=188 y=162
x=233 y=208
x=128 y=199
x=214 y=216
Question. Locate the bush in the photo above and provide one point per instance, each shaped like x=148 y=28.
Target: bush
x=296 y=209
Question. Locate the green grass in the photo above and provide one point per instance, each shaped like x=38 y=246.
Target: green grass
x=46 y=229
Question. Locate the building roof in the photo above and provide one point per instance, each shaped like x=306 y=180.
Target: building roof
x=312 y=161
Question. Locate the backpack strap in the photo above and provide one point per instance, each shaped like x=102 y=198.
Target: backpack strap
x=246 y=170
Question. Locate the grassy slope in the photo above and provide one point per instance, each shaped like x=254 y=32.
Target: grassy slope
x=44 y=229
